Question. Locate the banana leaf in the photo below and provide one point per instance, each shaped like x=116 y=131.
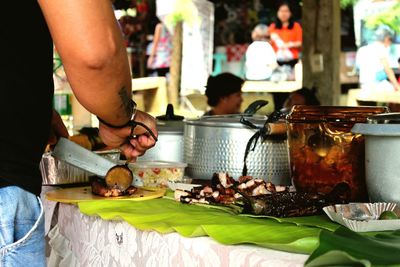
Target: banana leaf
x=344 y=247
x=299 y=235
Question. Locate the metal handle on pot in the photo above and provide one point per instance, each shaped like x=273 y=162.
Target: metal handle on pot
x=276 y=128
x=274 y=125
x=254 y=107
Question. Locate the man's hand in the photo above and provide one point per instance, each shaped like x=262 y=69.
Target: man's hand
x=57 y=129
x=132 y=148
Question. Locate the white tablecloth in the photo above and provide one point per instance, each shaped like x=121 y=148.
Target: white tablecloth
x=80 y=240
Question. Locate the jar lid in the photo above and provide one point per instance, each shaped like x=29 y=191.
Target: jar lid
x=300 y=113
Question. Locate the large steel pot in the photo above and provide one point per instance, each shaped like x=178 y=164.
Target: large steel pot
x=169 y=146
x=218 y=144
x=382 y=159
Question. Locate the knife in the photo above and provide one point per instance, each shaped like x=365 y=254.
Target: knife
x=84 y=159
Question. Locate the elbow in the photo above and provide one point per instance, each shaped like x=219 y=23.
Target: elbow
x=100 y=57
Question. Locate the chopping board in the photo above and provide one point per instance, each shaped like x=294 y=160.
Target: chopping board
x=79 y=194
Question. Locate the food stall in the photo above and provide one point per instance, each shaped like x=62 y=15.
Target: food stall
x=286 y=203
x=211 y=225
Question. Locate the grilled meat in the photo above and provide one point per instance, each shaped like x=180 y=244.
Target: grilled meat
x=100 y=188
x=263 y=198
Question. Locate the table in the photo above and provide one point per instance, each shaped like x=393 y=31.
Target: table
x=80 y=240
x=374 y=95
x=271 y=87
x=153 y=92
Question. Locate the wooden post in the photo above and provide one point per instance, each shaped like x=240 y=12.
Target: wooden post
x=321 y=48
x=176 y=65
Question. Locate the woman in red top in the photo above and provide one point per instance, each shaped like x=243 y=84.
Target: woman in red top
x=286 y=36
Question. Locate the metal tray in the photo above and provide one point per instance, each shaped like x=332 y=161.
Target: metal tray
x=363 y=217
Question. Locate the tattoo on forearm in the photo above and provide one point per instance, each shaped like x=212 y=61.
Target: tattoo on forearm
x=126 y=101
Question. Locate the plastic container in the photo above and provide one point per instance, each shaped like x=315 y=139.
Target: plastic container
x=323 y=152
x=382 y=156
x=158 y=173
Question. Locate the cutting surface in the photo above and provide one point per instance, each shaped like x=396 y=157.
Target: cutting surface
x=79 y=194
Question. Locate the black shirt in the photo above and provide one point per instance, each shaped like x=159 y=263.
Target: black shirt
x=26 y=91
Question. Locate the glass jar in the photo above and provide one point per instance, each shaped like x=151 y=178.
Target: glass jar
x=322 y=150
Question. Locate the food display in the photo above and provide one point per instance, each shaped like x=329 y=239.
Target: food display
x=255 y=196
x=323 y=151
x=158 y=173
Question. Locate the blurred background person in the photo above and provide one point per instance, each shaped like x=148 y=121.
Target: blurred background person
x=372 y=62
x=160 y=53
x=398 y=62
x=260 y=56
x=224 y=94
x=135 y=41
x=304 y=96
x=286 y=36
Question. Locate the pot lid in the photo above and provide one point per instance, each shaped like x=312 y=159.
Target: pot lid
x=376 y=129
x=228 y=121
x=170 y=115
x=170 y=127
x=170 y=123
x=387 y=124
x=386 y=118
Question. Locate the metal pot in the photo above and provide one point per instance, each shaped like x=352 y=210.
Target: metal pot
x=382 y=160
x=169 y=146
x=218 y=144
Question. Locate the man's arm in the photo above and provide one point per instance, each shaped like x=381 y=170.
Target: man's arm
x=390 y=74
x=90 y=44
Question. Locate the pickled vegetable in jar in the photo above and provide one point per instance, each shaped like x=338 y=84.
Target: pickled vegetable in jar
x=323 y=152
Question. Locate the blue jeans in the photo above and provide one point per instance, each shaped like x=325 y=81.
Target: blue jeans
x=21 y=229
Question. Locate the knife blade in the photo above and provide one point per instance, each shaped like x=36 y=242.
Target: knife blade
x=84 y=159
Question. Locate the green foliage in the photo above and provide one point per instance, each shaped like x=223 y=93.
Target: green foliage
x=184 y=11
x=347 y=3
x=390 y=17
x=347 y=248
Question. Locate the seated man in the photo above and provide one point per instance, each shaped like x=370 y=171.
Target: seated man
x=260 y=56
x=373 y=63
x=224 y=94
